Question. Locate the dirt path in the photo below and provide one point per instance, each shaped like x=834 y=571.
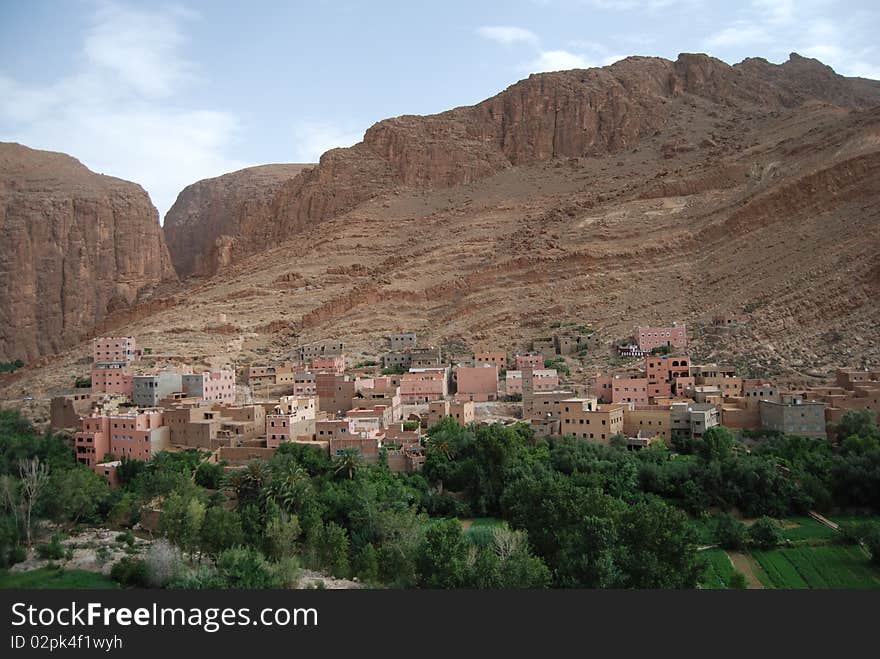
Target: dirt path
x=745 y=565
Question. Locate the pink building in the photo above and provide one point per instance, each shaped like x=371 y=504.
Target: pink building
x=108 y=471
x=534 y=362
x=422 y=386
x=113 y=349
x=663 y=372
x=216 y=386
x=629 y=390
x=370 y=419
x=600 y=387
x=293 y=418
x=544 y=379
x=649 y=338
x=334 y=429
x=477 y=383
x=135 y=436
x=329 y=364
x=111 y=378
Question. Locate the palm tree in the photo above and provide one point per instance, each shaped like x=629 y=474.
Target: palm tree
x=290 y=490
x=442 y=445
x=348 y=462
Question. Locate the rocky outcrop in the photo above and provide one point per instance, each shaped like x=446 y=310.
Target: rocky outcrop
x=567 y=114
x=74 y=245
x=207 y=215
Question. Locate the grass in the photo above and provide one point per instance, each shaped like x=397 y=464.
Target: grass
x=481 y=530
x=478 y=522
x=705 y=528
x=807 y=529
x=850 y=519
x=56 y=578
x=718 y=570
x=829 y=566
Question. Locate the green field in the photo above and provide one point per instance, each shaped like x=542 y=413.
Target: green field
x=829 y=566
x=486 y=521
x=705 y=529
x=854 y=519
x=480 y=531
x=51 y=578
x=806 y=529
x=718 y=571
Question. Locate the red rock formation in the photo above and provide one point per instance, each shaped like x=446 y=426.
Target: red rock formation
x=553 y=115
x=207 y=215
x=74 y=245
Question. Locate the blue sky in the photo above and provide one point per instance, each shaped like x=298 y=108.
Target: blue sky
x=165 y=94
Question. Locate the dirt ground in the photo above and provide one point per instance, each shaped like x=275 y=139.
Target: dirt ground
x=746 y=565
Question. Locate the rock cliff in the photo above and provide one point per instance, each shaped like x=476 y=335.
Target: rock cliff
x=74 y=245
x=567 y=114
x=209 y=212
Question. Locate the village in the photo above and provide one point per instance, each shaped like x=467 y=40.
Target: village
x=380 y=409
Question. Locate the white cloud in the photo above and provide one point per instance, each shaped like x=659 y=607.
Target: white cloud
x=556 y=60
x=507 y=34
x=628 y=5
x=743 y=34
x=115 y=113
x=775 y=11
x=844 y=60
x=313 y=138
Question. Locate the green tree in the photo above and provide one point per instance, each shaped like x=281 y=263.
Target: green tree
x=443 y=557
x=366 y=564
x=209 y=475
x=517 y=566
x=75 y=495
x=348 y=463
x=618 y=441
x=333 y=544
x=737 y=581
x=730 y=532
x=181 y=521
x=716 y=445
x=658 y=547
x=870 y=533
x=765 y=534
x=279 y=538
x=245 y=568
x=220 y=530
x=858 y=423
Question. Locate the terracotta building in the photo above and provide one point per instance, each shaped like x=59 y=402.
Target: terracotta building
x=423 y=386
x=328 y=364
x=648 y=338
x=335 y=392
x=545 y=379
x=216 y=386
x=111 y=378
x=648 y=421
x=114 y=349
x=532 y=361
x=585 y=418
x=477 y=383
x=493 y=357
x=136 y=436
x=462 y=411
x=296 y=420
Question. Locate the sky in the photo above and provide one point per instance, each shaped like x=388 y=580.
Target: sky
x=165 y=94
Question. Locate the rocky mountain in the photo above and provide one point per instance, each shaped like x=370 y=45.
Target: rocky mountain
x=74 y=246
x=648 y=191
x=569 y=114
x=207 y=214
